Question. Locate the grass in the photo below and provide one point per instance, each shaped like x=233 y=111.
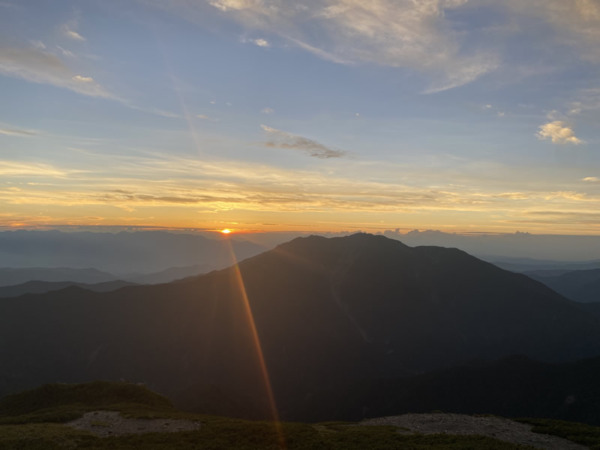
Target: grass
x=33 y=420
x=64 y=402
x=220 y=433
x=581 y=433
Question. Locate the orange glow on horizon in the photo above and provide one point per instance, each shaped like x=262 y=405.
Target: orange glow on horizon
x=226 y=231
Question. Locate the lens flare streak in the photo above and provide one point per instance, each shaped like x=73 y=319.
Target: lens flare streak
x=258 y=348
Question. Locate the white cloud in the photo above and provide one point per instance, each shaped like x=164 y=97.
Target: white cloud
x=82 y=79
x=262 y=42
x=38 y=66
x=558 y=132
x=229 y=5
x=591 y=179
x=65 y=52
x=283 y=139
x=69 y=31
x=39 y=45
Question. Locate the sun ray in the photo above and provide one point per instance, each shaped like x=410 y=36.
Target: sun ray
x=257 y=347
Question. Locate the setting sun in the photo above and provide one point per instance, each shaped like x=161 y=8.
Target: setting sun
x=226 y=231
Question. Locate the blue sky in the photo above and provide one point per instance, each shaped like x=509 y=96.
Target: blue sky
x=318 y=115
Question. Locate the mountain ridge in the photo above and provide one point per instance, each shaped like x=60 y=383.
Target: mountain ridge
x=326 y=312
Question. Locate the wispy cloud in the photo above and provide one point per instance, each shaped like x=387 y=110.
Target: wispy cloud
x=17 y=168
x=393 y=33
x=70 y=30
x=155 y=188
x=577 y=21
x=35 y=65
x=283 y=139
x=591 y=179
x=18 y=132
x=558 y=132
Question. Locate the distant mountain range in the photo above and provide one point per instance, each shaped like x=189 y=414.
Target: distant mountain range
x=14 y=276
x=579 y=285
x=41 y=287
x=123 y=253
x=328 y=313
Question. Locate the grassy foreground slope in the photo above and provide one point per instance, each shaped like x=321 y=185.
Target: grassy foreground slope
x=36 y=419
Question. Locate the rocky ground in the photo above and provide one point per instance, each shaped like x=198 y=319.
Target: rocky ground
x=495 y=427
x=112 y=423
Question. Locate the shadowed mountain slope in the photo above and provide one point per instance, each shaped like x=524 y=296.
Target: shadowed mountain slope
x=327 y=312
x=512 y=387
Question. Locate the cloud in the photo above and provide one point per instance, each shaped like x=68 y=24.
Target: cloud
x=578 y=21
x=65 y=52
x=267 y=110
x=283 y=139
x=69 y=31
x=16 y=168
x=394 y=33
x=233 y=5
x=17 y=132
x=38 y=66
x=261 y=42
x=81 y=79
x=558 y=132
x=591 y=179
x=39 y=45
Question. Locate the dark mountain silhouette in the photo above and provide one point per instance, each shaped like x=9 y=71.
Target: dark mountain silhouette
x=578 y=285
x=328 y=312
x=40 y=287
x=14 y=276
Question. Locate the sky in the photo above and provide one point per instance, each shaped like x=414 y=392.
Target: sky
x=317 y=115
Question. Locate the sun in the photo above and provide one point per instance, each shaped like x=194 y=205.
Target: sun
x=226 y=231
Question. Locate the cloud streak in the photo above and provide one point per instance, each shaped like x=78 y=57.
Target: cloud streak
x=17 y=132
x=283 y=139
x=393 y=33
x=38 y=66
x=161 y=189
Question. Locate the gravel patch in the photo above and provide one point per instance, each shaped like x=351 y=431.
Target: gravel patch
x=111 y=423
x=495 y=427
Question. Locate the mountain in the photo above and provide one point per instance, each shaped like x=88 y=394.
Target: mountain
x=120 y=253
x=578 y=285
x=529 y=265
x=170 y=274
x=40 y=287
x=14 y=276
x=327 y=313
